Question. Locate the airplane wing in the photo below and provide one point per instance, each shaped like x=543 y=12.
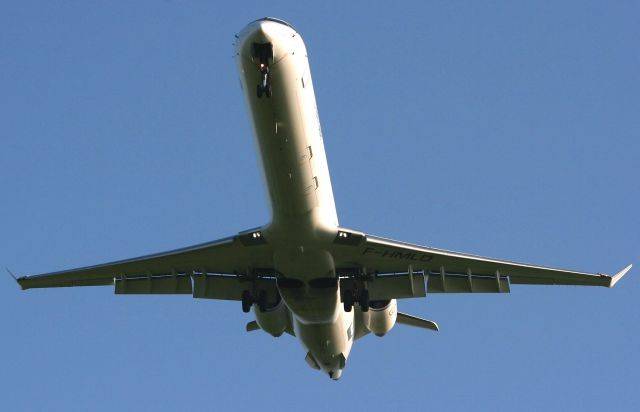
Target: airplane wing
x=447 y=271
x=220 y=270
x=167 y=272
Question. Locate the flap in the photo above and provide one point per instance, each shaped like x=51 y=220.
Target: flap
x=461 y=283
x=208 y=286
x=179 y=284
x=390 y=286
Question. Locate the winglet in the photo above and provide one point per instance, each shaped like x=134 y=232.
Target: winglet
x=615 y=278
x=11 y=273
x=18 y=280
x=15 y=278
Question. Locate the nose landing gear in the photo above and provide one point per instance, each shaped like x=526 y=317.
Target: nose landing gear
x=264 y=88
x=263 y=55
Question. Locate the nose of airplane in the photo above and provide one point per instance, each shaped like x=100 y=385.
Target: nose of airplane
x=258 y=32
x=278 y=36
x=266 y=29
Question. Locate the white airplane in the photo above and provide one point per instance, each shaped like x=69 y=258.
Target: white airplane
x=302 y=273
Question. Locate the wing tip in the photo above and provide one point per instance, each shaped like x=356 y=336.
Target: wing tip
x=19 y=280
x=615 y=278
x=21 y=283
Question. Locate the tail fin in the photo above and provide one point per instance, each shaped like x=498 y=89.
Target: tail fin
x=417 y=322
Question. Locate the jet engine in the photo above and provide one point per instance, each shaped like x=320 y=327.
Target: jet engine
x=381 y=316
x=274 y=320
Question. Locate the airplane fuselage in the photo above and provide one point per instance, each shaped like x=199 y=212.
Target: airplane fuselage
x=276 y=80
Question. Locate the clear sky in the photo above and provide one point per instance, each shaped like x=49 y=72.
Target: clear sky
x=507 y=129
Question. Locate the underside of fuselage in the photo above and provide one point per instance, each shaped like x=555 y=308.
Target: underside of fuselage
x=312 y=312
x=327 y=328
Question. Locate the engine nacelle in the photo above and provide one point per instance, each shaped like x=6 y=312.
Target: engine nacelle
x=382 y=316
x=275 y=320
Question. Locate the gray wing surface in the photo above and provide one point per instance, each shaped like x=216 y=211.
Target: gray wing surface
x=232 y=256
x=445 y=271
x=448 y=271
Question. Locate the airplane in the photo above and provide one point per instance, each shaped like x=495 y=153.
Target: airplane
x=302 y=273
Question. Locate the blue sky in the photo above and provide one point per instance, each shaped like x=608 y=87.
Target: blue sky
x=507 y=129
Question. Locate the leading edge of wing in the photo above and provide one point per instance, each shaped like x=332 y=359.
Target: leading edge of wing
x=516 y=270
x=103 y=274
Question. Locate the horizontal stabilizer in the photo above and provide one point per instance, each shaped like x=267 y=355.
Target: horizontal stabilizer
x=253 y=325
x=409 y=320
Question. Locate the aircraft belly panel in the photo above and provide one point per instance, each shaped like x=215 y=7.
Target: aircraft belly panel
x=328 y=343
